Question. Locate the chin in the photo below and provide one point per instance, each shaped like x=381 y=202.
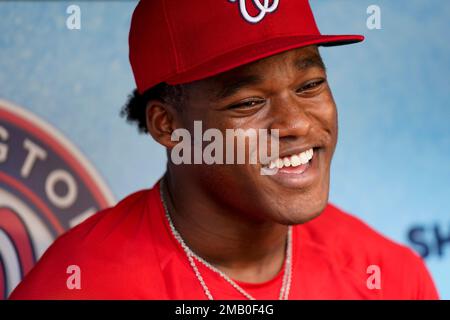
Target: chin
x=300 y=212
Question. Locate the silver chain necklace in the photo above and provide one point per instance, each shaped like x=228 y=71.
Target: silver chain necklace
x=192 y=256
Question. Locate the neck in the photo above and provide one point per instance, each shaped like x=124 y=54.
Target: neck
x=245 y=249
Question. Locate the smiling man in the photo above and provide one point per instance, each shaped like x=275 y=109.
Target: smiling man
x=225 y=231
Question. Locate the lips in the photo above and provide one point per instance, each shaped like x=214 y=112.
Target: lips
x=296 y=170
x=294 y=160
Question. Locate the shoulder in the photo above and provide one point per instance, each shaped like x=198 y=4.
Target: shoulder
x=334 y=226
x=359 y=250
x=105 y=250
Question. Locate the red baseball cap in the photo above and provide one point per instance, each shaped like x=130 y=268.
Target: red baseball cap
x=180 y=41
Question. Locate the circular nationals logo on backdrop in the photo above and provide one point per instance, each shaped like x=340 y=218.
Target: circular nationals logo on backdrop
x=46 y=187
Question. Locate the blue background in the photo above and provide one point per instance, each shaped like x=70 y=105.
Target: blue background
x=392 y=164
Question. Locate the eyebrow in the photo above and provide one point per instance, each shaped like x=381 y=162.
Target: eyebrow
x=231 y=87
x=237 y=84
x=304 y=63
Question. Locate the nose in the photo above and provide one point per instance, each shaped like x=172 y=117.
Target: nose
x=289 y=117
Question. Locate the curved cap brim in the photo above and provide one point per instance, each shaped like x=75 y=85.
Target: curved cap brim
x=256 y=51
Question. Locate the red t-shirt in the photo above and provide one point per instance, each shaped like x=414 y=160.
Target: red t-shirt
x=128 y=252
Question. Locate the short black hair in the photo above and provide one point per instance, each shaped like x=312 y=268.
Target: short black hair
x=135 y=109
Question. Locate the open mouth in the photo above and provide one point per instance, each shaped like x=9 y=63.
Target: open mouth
x=295 y=163
x=295 y=170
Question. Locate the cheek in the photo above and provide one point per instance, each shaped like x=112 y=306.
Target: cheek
x=330 y=111
x=332 y=121
x=324 y=113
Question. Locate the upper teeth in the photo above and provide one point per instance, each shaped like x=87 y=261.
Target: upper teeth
x=292 y=161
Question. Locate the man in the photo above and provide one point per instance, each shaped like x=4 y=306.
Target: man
x=227 y=231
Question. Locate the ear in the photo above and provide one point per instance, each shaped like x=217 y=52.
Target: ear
x=161 y=122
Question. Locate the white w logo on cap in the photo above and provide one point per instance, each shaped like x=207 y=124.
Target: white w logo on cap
x=263 y=9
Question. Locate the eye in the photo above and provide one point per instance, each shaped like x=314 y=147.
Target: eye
x=247 y=104
x=311 y=86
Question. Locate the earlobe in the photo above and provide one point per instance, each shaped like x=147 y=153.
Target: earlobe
x=160 y=122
